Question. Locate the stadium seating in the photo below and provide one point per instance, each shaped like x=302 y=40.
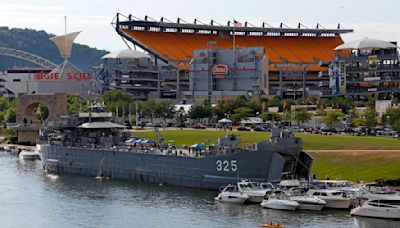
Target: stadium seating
x=178 y=47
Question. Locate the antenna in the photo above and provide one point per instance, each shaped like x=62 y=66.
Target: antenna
x=65 y=33
x=65 y=24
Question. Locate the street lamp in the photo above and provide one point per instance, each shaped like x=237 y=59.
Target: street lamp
x=355 y=165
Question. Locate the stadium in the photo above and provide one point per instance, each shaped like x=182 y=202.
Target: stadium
x=266 y=61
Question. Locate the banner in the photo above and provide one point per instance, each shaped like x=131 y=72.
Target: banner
x=372 y=62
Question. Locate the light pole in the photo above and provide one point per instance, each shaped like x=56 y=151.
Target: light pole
x=355 y=165
x=316 y=164
x=136 y=114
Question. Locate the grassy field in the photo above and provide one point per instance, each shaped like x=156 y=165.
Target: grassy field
x=311 y=142
x=190 y=137
x=367 y=166
x=345 y=142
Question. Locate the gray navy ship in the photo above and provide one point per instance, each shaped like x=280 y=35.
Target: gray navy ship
x=92 y=145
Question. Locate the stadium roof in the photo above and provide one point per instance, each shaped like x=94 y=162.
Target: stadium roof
x=175 y=42
x=125 y=54
x=366 y=43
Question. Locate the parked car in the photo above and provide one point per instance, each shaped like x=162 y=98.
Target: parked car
x=331 y=130
x=198 y=126
x=297 y=129
x=243 y=129
x=154 y=124
x=260 y=128
x=388 y=131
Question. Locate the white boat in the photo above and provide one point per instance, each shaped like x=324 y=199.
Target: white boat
x=305 y=201
x=290 y=183
x=231 y=194
x=279 y=200
x=28 y=155
x=254 y=190
x=371 y=192
x=355 y=194
x=333 y=198
x=389 y=209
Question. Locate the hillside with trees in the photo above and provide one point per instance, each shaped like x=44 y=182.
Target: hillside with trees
x=38 y=42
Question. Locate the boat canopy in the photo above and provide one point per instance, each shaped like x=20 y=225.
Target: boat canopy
x=100 y=125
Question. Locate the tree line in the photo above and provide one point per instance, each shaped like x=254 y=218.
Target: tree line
x=332 y=111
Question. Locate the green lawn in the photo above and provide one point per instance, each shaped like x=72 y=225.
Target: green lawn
x=366 y=166
x=345 y=142
x=190 y=137
x=311 y=142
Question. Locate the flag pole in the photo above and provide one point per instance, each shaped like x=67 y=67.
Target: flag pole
x=234 y=41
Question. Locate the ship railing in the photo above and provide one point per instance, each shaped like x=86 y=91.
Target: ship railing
x=156 y=151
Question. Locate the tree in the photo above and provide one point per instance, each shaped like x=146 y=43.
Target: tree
x=41 y=112
x=146 y=109
x=333 y=118
x=301 y=115
x=241 y=113
x=345 y=104
x=4 y=104
x=164 y=109
x=117 y=99
x=392 y=118
x=75 y=103
x=270 y=116
x=276 y=102
x=369 y=116
x=200 y=111
x=10 y=116
x=354 y=116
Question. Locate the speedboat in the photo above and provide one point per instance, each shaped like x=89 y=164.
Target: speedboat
x=389 y=209
x=279 y=200
x=378 y=192
x=231 y=194
x=333 y=198
x=254 y=190
x=305 y=201
x=28 y=155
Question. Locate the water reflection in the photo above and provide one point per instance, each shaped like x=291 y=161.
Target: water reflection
x=71 y=201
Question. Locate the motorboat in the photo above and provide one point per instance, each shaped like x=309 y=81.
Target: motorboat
x=305 y=201
x=389 y=209
x=254 y=190
x=355 y=194
x=28 y=155
x=379 y=192
x=231 y=194
x=290 y=183
x=333 y=198
x=279 y=200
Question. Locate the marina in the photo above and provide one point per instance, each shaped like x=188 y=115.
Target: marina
x=83 y=201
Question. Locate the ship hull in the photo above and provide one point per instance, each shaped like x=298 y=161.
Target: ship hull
x=208 y=172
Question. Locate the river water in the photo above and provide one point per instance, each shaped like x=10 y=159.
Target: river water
x=30 y=198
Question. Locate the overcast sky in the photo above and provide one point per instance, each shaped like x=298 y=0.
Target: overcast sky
x=374 y=19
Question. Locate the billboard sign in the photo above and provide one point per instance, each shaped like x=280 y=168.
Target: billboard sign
x=372 y=62
x=220 y=70
x=52 y=76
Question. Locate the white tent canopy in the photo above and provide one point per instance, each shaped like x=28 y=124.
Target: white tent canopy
x=365 y=43
x=224 y=120
x=125 y=54
x=100 y=125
